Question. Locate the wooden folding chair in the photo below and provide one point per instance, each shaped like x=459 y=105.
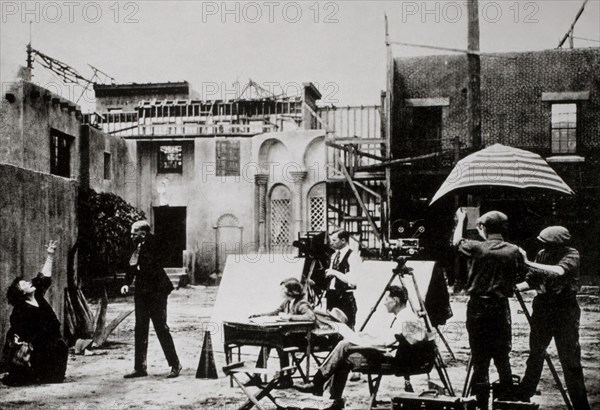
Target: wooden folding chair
x=254 y=373
x=323 y=341
x=388 y=366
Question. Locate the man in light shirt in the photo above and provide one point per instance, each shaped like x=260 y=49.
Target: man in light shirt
x=341 y=276
x=359 y=348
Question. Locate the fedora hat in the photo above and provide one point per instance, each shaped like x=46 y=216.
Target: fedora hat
x=337 y=315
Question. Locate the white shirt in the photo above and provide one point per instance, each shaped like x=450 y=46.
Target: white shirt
x=354 y=261
x=406 y=323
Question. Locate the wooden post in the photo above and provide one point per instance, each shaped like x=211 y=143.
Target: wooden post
x=474 y=76
x=457 y=279
x=387 y=127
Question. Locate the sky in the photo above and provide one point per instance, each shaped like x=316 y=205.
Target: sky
x=218 y=46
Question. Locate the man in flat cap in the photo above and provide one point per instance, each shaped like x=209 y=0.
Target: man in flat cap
x=496 y=266
x=555 y=276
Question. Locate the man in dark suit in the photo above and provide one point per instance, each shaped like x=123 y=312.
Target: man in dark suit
x=342 y=276
x=152 y=288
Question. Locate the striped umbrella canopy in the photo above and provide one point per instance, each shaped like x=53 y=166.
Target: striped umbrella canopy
x=499 y=165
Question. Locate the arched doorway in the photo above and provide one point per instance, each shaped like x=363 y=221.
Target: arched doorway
x=228 y=239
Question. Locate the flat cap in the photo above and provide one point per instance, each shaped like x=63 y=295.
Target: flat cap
x=492 y=218
x=557 y=235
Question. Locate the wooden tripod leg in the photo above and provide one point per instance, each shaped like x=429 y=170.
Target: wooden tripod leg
x=442 y=373
x=559 y=384
x=374 y=308
x=438 y=361
x=441 y=335
x=467 y=386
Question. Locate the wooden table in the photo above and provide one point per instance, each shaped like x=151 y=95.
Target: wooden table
x=276 y=334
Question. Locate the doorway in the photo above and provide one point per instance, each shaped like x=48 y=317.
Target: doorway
x=228 y=237
x=170 y=231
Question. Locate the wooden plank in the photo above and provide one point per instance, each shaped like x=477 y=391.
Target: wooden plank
x=356 y=151
x=396 y=161
x=369 y=190
x=358 y=140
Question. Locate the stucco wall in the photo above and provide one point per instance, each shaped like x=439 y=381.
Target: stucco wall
x=94 y=144
x=25 y=126
x=208 y=197
x=34 y=208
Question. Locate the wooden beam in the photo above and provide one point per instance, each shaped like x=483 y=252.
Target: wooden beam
x=367 y=189
x=314 y=114
x=360 y=201
x=356 y=151
x=395 y=162
x=570 y=32
x=339 y=211
x=362 y=141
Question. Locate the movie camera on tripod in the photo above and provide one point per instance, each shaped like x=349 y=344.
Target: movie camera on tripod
x=407 y=242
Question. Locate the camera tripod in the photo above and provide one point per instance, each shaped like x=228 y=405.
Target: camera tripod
x=402 y=271
x=559 y=385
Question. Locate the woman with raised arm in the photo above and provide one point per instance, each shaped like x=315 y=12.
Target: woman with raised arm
x=34 y=322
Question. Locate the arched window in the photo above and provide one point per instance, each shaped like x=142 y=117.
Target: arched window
x=317 y=208
x=280 y=216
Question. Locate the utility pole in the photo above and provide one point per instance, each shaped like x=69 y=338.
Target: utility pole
x=389 y=94
x=474 y=76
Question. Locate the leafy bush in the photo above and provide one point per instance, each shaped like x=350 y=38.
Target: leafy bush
x=104 y=227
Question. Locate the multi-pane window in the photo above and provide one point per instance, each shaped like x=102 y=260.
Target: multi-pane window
x=170 y=159
x=228 y=158
x=564 y=128
x=107 y=166
x=60 y=154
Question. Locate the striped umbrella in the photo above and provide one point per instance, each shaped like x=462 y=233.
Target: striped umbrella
x=499 y=165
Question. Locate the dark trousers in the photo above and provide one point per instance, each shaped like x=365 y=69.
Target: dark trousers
x=345 y=357
x=48 y=365
x=345 y=302
x=50 y=361
x=263 y=356
x=559 y=318
x=489 y=327
x=155 y=308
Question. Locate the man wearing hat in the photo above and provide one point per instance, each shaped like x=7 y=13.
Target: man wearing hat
x=555 y=276
x=496 y=266
x=152 y=289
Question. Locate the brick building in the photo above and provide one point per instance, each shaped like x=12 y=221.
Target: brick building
x=547 y=102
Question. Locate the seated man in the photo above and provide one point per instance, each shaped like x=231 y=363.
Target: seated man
x=359 y=348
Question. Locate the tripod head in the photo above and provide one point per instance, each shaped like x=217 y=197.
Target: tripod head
x=401 y=268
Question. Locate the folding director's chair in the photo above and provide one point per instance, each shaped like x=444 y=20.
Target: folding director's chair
x=254 y=374
x=412 y=365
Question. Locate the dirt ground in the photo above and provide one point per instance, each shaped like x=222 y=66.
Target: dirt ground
x=95 y=382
